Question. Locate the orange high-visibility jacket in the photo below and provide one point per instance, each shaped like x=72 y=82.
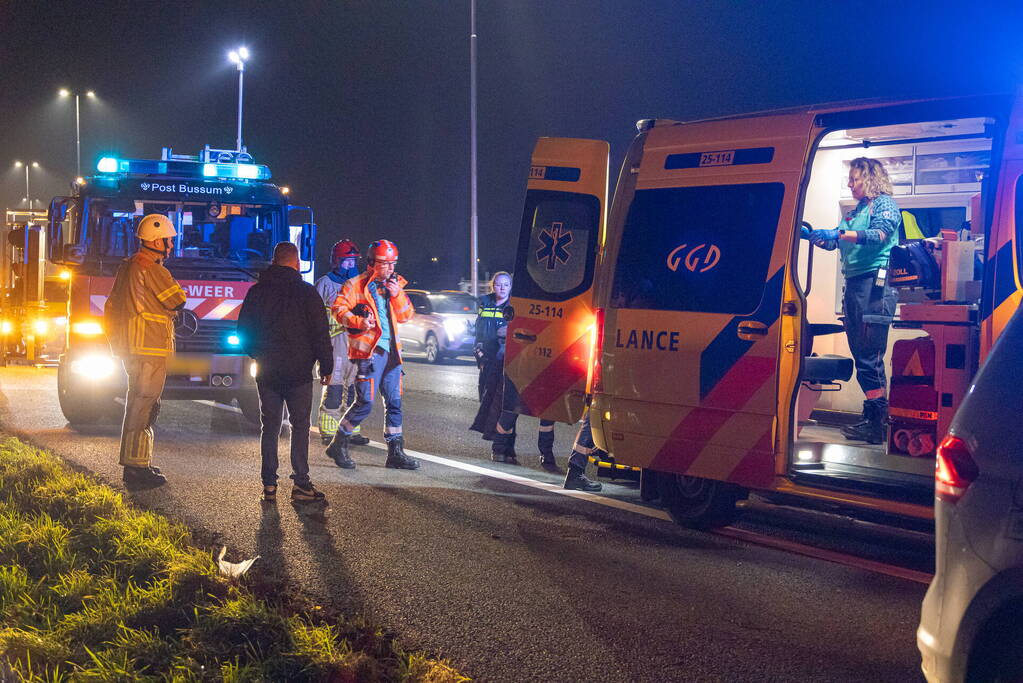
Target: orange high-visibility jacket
x=138 y=316
x=356 y=291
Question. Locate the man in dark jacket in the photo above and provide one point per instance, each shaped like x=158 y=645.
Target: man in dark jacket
x=282 y=326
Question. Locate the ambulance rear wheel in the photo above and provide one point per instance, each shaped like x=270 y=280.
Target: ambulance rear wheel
x=249 y=403
x=699 y=503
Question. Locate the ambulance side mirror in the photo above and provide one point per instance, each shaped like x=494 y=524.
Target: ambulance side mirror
x=72 y=254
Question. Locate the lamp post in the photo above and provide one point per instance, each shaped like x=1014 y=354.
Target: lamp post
x=474 y=217
x=28 y=193
x=239 y=57
x=64 y=92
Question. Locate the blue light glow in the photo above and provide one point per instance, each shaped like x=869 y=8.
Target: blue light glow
x=234 y=340
x=107 y=165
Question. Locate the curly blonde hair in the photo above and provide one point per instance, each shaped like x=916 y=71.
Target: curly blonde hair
x=875 y=179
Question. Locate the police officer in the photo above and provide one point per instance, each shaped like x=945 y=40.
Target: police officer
x=495 y=423
x=139 y=319
x=370 y=307
x=340 y=392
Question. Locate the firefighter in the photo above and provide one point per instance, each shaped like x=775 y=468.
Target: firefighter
x=340 y=393
x=139 y=320
x=370 y=307
x=495 y=423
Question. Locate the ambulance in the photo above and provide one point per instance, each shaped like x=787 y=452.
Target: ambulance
x=706 y=337
x=228 y=217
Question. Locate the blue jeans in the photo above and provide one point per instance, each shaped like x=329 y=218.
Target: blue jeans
x=380 y=372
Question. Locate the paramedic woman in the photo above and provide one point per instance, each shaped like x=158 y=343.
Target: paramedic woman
x=865 y=238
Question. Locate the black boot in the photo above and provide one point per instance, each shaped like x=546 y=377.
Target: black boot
x=875 y=429
x=338 y=451
x=497 y=446
x=509 y=450
x=358 y=439
x=856 y=426
x=143 y=478
x=578 y=481
x=545 y=444
x=396 y=457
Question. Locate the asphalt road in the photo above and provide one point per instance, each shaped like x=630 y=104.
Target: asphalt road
x=516 y=582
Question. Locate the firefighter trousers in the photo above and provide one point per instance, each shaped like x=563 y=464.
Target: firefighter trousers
x=146 y=376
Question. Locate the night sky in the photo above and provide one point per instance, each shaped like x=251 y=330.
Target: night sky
x=363 y=107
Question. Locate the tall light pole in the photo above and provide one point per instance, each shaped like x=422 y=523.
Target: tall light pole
x=239 y=57
x=28 y=193
x=64 y=92
x=473 y=218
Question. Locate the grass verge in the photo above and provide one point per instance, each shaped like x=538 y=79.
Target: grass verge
x=94 y=589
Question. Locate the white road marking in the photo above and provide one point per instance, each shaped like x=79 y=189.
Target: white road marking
x=733 y=533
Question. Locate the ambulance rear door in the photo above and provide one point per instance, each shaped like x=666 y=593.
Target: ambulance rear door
x=1004 y=249
x=549 y=338
x=702 y=319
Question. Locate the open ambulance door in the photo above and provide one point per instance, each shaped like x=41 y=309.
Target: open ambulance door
x=549 y=341
x=701 y=345
x=1004 y=251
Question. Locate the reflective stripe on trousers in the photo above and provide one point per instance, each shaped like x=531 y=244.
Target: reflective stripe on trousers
x=146 y=377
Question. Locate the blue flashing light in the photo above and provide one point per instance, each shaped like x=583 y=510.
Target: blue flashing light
x=234 y=340
x=107 y=165
x=243 y=171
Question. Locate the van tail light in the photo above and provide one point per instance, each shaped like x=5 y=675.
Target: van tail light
x=954 y=469
x=596 y=379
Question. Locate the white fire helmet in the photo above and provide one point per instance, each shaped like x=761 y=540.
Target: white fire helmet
x=155 y=226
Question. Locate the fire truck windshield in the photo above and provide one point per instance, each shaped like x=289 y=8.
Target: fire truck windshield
x=244 y=234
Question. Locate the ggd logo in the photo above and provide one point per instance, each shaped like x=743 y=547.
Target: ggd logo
x=696 y=259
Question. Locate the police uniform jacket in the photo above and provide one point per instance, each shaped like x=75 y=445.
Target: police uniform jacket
x=489 y=322
x=139 y=314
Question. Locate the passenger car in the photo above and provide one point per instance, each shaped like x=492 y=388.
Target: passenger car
x=971 y=625
x=443 y=325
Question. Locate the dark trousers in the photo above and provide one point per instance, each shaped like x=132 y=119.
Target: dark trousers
x=584 y=447
x=869 y=310
x=272 y=399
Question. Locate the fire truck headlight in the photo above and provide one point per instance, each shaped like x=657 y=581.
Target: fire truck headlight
x=40 y=327
x=253 y=369
x=6 y=327
x=88 y=328
x=93 y=367
x=60 y=321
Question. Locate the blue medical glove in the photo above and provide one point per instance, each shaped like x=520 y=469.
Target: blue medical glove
x=822 y=237
x=804 y=232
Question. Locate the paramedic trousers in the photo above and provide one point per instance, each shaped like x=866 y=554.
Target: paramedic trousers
x=545 y=437
x=869 y=310
x=299 y=400
x=380 y=372
x=584 y=447
x=146 y=376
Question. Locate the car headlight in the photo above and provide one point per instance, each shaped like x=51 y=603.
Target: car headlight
x=93 y=367
x=455 y=328
x=253 y=369
x=88 y=328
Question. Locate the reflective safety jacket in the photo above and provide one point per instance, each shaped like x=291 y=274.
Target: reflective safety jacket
x=355 y=292
x=489 y=322
x=138 y=316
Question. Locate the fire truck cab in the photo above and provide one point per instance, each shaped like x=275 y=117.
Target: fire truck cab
x=708 y=337
x=228 y=217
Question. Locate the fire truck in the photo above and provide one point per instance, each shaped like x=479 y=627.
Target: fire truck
x=708 y=338
x=34 y=294
x=228 y=217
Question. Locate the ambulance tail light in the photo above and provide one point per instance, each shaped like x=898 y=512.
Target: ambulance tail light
x=595 y=381
x=954 y=470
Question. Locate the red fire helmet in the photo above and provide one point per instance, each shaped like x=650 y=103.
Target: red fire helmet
x=382 y=250
x=343 y=249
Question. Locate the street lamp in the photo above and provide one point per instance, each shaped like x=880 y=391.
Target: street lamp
x=64 y=92
x=28 y=194
x=239 y=57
